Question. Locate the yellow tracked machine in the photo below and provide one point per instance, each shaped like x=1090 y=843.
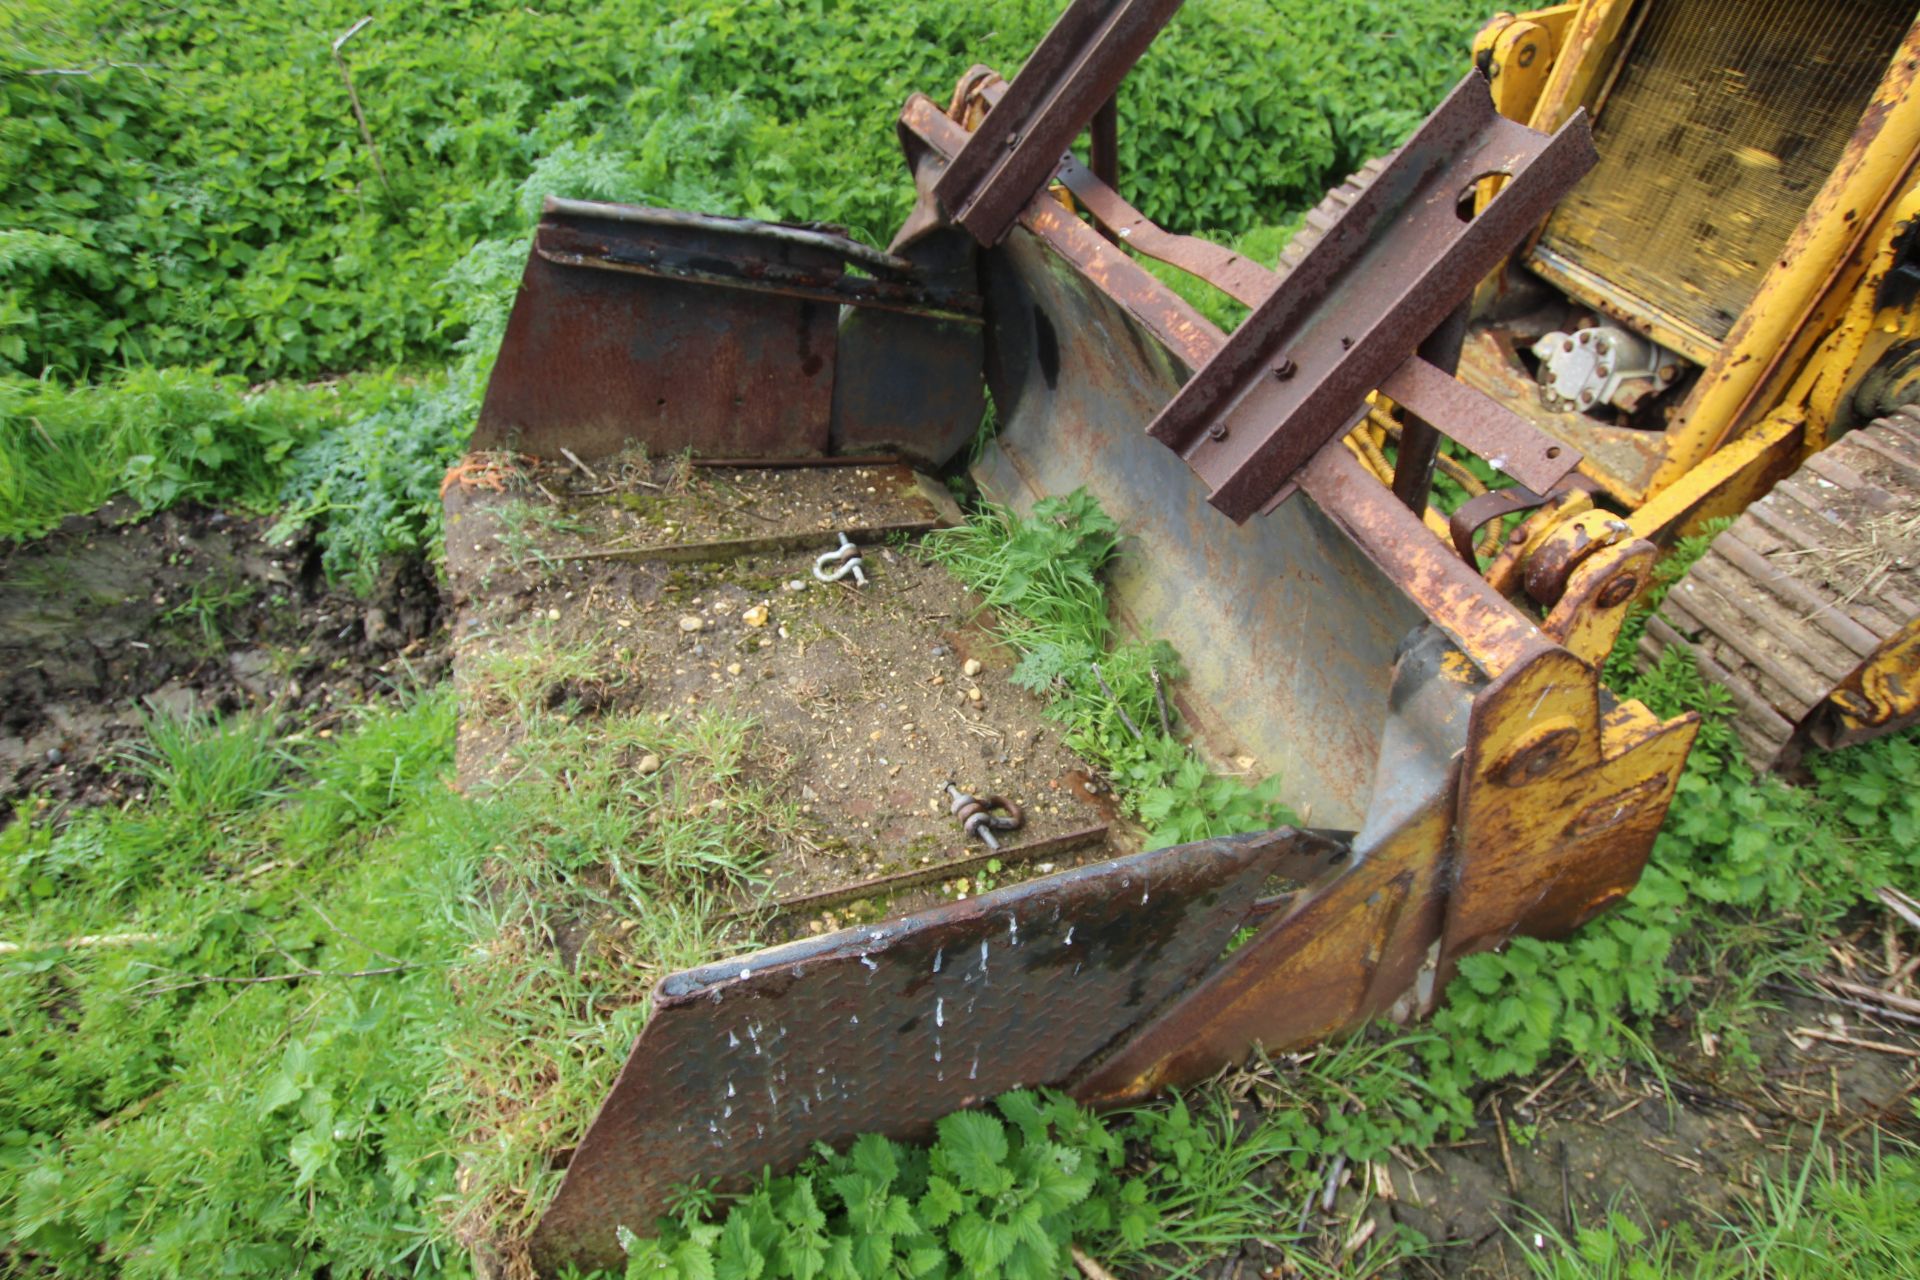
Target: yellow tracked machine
x=1645 y=260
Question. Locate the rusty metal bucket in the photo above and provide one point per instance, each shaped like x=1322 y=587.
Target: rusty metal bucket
x=1475 y=779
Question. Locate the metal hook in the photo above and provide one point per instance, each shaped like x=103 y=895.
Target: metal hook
x=978 y=819
x=849 y=555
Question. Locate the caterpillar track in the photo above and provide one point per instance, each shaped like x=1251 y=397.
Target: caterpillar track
x=1791 y=607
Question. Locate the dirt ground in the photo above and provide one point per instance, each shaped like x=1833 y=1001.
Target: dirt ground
x=192 y=610
x=865 y=700
x=868 y=706
x=1688 y=1143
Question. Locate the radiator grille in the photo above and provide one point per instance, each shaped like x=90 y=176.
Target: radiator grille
x=1718 y=133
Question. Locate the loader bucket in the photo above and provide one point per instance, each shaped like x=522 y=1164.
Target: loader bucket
x=1466 y=776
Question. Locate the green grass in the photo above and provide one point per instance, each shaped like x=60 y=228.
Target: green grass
x=1828 y=1215
x=184 y=215
x=1040 y=577
x=244 y=1068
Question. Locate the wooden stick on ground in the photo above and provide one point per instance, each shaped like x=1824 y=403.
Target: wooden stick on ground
x=1834 y=1037
x=1088 y=1267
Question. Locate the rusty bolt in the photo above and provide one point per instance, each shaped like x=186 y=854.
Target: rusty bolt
x=1527 y=54
x=1618 y=591
x=1218 y=431
x=1285 y=369
x=1537 y=757
x=1669 y=372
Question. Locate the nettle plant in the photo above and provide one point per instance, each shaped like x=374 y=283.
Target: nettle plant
x=995 y=1195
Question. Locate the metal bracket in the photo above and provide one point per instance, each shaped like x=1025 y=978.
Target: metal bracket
x=739 y=253
x=1385 y=275
x=1074 y=71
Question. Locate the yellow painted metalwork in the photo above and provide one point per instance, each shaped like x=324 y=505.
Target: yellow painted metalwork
x=1886 y=690
x=1521 y=59
x=1582 y=60
x=1873 y=322
x=1725 y=482
x=1863 y=184
x=1603 y=296
x=1599 y=593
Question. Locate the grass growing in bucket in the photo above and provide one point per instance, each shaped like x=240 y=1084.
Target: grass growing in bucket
x=1040 y=575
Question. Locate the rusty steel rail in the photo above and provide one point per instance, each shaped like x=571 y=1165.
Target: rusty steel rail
x=1296 y=374
x=900 y=881
x=733 y=253
x=1064 y=83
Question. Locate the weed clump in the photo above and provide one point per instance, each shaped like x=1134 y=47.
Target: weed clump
x=1040 y=574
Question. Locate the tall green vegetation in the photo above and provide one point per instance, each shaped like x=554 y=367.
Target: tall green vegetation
x=188 y=184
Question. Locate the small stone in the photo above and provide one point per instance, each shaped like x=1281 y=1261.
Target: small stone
x=733 y=668
x=1244 y=762
x=907 y=727
x=876 y=735
x=894 y=772
x=756 y=616
x=937 y=680
x=794 y=584
x=553 y=615
x=783 y=631
x=765 y=643
x=649 y=763
x=972 y=667
x=974 y=694
x=691 y=624
x=723 y=606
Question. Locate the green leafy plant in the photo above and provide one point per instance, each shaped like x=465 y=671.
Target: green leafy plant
x=1040 y=574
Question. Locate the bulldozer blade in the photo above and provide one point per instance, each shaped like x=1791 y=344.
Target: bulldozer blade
x=883 y=1029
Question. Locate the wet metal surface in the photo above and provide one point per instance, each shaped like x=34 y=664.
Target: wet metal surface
x=1073 y=72
x=1354 y=939
x=1390 y=269
x=885 y=1028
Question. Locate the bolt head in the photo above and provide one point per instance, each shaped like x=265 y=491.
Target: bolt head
x=1618 y=591
x=1217 y=432
x=1285 y=369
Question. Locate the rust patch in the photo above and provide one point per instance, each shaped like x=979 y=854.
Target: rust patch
x=747 y=1064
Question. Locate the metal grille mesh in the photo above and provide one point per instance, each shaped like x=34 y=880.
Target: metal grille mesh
x=1717 y=135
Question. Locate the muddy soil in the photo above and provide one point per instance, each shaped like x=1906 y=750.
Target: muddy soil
x=191 y=610
x=1691 y=1143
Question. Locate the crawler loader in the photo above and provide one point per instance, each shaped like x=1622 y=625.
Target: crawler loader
x=1429 y=697
x=1721 y=318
